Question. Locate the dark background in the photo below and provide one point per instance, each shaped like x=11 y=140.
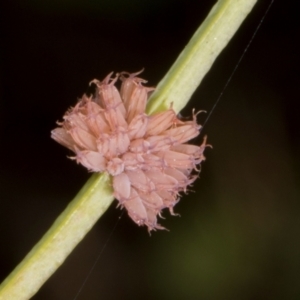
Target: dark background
x=238 y=234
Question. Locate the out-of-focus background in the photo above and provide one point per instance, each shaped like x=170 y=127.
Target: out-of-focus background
x=238 y=233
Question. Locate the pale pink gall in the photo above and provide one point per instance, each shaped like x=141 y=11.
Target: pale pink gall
x=147 y=156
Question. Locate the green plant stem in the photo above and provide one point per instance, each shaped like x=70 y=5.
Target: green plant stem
x=96 y=195
x=55 y=246
x=197 y=57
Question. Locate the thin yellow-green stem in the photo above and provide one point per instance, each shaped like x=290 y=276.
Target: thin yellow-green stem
x=96 y=195
x=55 y=246
x=196 y=59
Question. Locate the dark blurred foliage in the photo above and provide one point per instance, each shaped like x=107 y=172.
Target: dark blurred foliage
x=238 y=234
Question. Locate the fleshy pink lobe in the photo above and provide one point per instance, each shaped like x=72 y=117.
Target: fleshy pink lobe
x=147 y=156
x=160 y=122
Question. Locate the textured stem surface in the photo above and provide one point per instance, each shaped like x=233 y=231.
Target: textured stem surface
x=55 y=246
x=196 y=59
x=95 y=197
